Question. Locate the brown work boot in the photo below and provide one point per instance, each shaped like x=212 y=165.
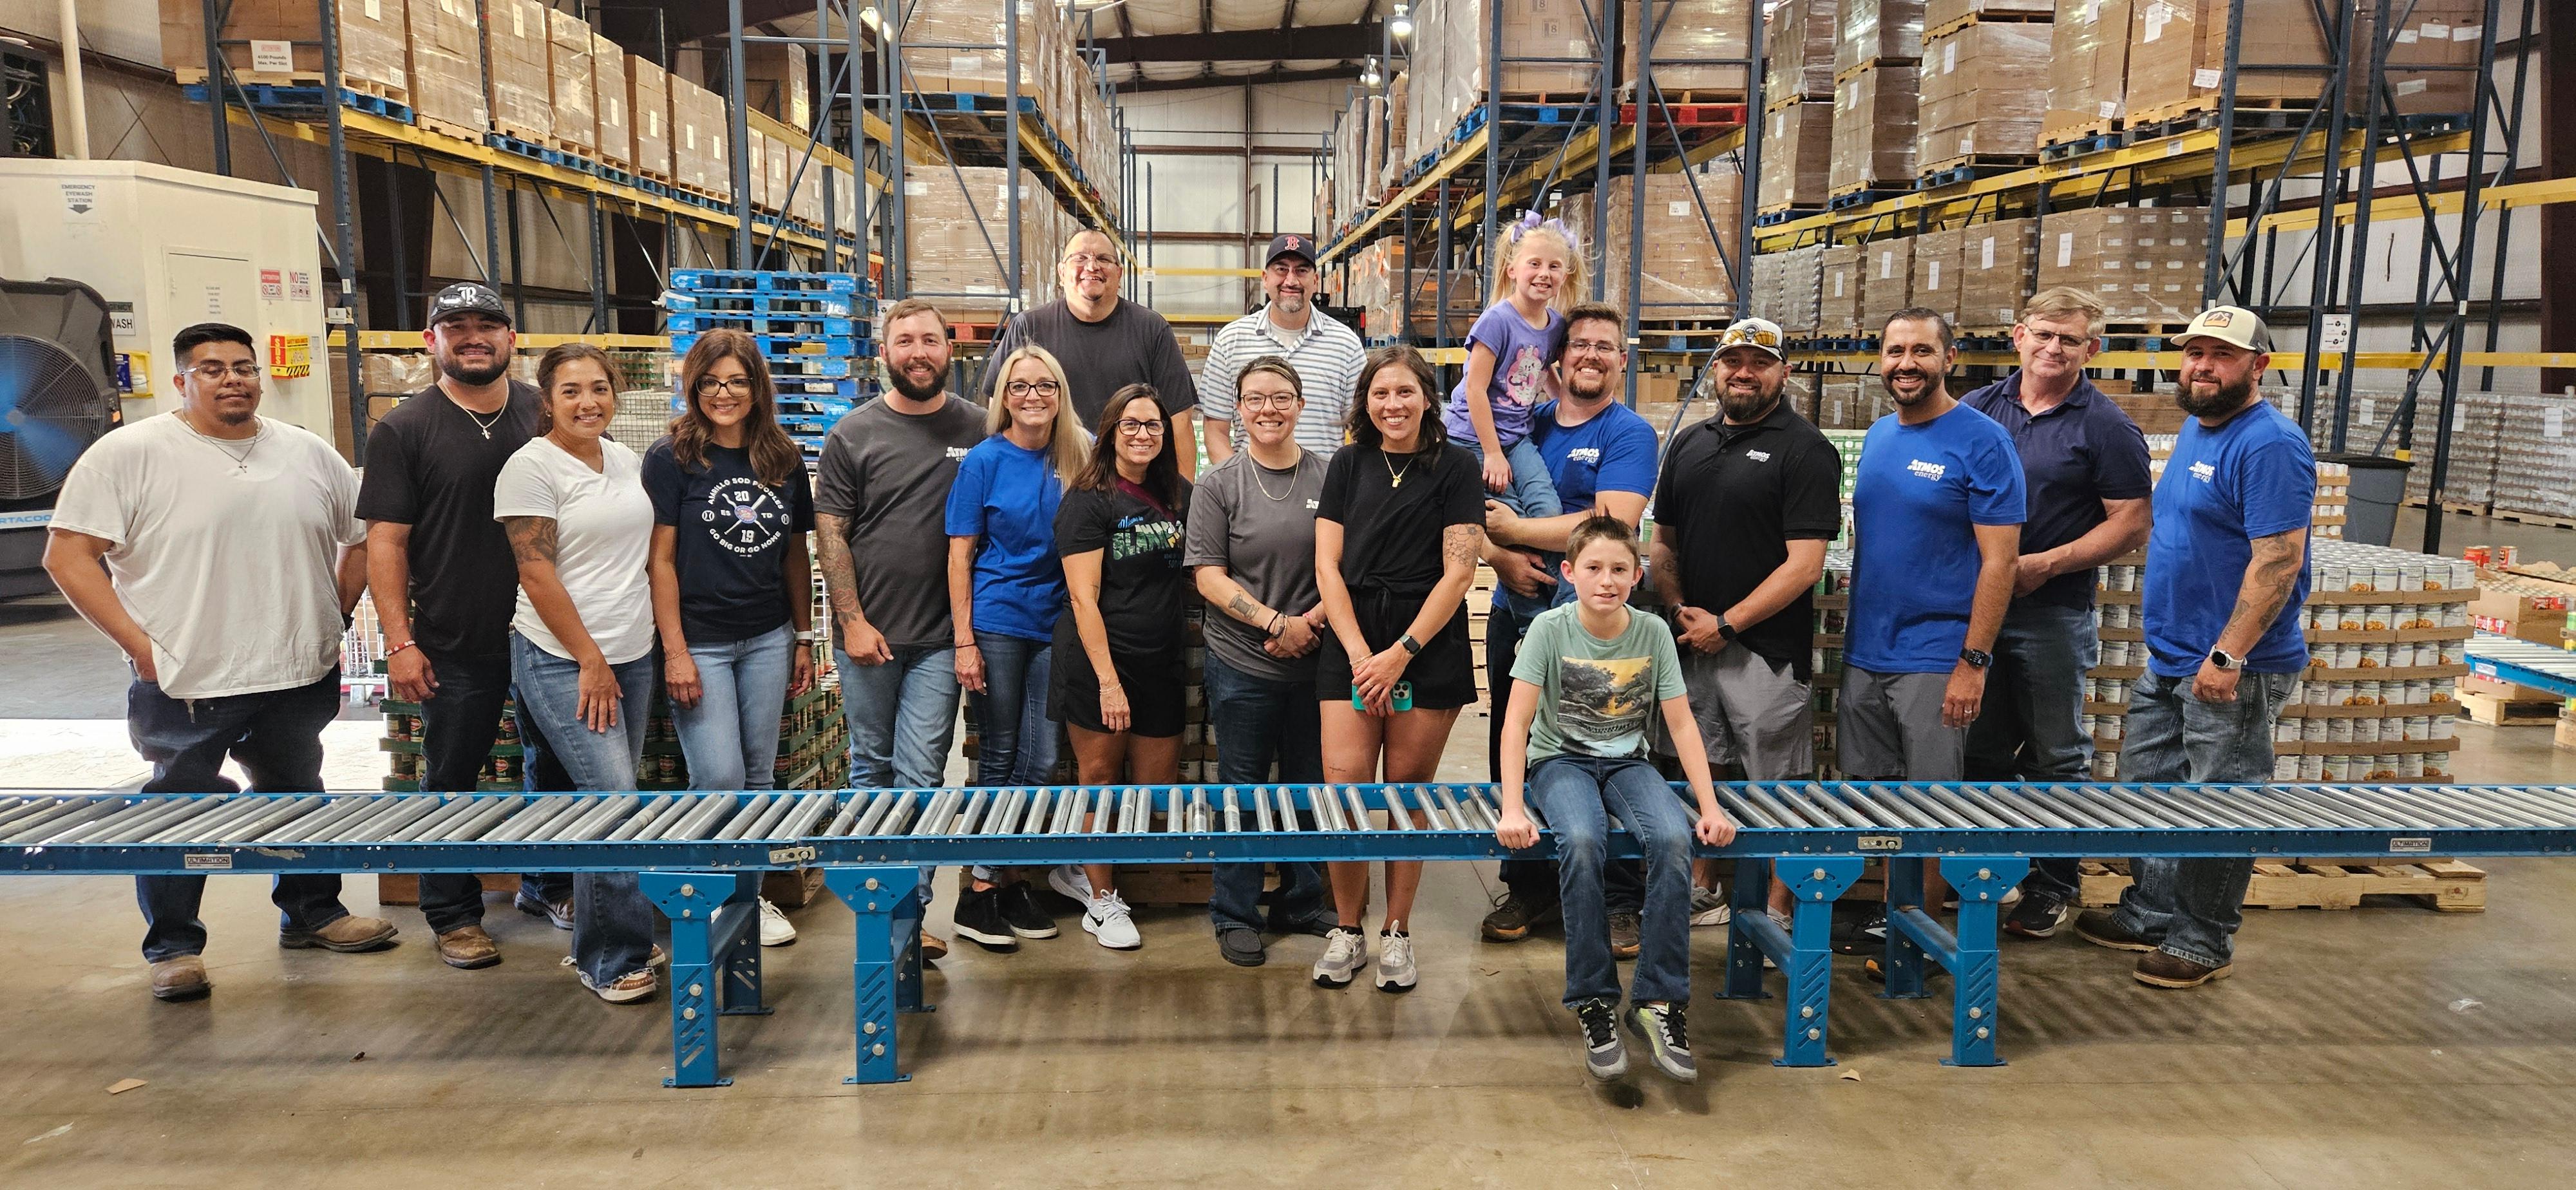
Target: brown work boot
x=181 y=978
x=348 y=935
x=2164 y=969
x=468 y=948
x=933 y=947
x=2102 y=927
x=1623 y=934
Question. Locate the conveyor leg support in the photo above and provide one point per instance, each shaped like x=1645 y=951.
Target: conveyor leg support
x=887 y=960
x=742 y=996
x=691 y=900
x=1751 y=898
x=1974 y=1009
x=1903 y=961
x=1805 y=956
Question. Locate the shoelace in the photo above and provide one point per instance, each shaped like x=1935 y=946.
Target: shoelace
x=1105 y=908
x=1342 y=946
x=1676 y=1035
x=1600 y=1026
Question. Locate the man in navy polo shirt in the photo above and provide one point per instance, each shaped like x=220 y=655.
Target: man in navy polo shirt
x=1601 y=456
x=2086 y=477
x=2227 y=568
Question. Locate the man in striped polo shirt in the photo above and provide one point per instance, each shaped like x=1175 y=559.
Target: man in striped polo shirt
x=1325 y=353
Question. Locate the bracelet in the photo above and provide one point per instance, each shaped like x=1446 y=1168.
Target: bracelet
x=389 y=653
x=1271 y=629
x=963 y=644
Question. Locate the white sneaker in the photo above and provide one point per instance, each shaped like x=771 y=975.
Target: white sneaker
x=1345 y=952
x=1395 y=962
x=1709 y=908
x=1107 y=920
x=775 y=929
x=1070 y=880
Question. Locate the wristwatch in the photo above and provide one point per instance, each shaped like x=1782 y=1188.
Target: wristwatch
x=2225 y=660
x=810 y=635
x=1976 y=658
x=1412 y=647
x=1725 y=631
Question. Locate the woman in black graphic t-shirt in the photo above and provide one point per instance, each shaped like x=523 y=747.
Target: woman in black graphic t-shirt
x=1118 y=669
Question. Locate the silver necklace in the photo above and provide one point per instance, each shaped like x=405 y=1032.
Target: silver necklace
x=477 y=419
x=1258 y=469
x=241 y=462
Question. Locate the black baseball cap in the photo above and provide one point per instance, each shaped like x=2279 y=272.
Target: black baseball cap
x=1291 y=244
x=467 y=297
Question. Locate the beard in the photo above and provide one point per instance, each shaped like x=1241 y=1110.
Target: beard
x=924 y=391
x=1582 y=387
x=2228 y=399
x=1745 y=407
x=1290 y=303
x=1932 y=383
x=472 y=377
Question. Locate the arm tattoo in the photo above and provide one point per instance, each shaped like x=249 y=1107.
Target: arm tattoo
x=532 y=538
x=1458 y=545
x=840 y=576
x=1242 y=607
x=2269 y=580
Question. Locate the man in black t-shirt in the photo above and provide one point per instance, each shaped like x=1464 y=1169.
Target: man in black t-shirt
x=445 y=584
x=1746 y=504
x=1104 y=343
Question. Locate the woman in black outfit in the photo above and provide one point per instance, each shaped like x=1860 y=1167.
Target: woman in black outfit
x=1396 y=537
x=1119 y=672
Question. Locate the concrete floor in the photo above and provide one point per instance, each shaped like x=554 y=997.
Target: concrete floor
x=2382 y=1047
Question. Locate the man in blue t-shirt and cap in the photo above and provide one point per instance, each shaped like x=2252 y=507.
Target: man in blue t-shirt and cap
x=2227 y=568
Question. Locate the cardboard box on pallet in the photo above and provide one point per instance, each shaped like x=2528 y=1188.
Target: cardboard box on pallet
x=1799 y=51
x=2088 y=67
x=954 y=263
x=1942 y=13
x=616 y=116
x=1877 y=31
x=372 y=42
x=698 y=150
x=776 y=83
x=1696 y=48
x=2143 y=263
x=956 y=46
x=446 y=51
x=522 y=97
x=576 y=92
x=1886 y=281
x=1838 y=290
x=756 y=167
x=2178 y=55
x=2431 y=34
x=1532 y=29
x=648 y=103
x=845 y=201
x=1399 y=116
x=1787 y=287
x=1996 y=261
x=1874 y=129
x=1797 y=155
x=1684 y=274
x=774 y=160
x=1936 y=272
x=1983 y=92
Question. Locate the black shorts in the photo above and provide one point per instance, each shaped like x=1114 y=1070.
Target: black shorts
x=1152 y=682
x=1443 y=673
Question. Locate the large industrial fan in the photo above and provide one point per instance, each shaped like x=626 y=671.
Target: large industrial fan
x=57 y=395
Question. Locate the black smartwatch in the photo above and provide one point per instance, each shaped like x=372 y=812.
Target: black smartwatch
x=1976 y=658
x=1725 y=631
x=1412 y=647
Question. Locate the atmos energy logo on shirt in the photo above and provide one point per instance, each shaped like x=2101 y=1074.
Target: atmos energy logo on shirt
x=1931 y=471
x=2203 y=472
x=743 y=516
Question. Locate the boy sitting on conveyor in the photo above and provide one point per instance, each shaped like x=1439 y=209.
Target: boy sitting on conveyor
x=1574 y=734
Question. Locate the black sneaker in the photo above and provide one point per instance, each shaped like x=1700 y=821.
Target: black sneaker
x=1514 y=918
x=1603 y=1057
x=1623 y=934
x=1667 y=1040
x=2102 y=927
x=1867 y=938
x=1241 y=946
x=1021 y=912
x=2038 y=916
x=979 y=920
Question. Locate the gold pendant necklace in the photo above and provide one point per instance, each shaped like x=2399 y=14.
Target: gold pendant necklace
x=1395 y=478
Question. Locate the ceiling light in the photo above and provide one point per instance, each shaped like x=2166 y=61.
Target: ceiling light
x=868 y=17
x=1368 y=75
x=1402 y=25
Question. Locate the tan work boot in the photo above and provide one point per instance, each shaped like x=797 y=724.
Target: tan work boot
x=468 y=948
x=348 y=935
x=181 y=978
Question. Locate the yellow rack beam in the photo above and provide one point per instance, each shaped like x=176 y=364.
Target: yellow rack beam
x=1450 y=163
x=2493 y=198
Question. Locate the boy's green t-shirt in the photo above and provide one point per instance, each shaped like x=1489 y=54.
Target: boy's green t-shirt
x=1597 y=697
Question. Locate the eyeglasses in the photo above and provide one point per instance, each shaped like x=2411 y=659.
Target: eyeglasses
x=1266 y=401
x=1084 y=260
x=2040 y=338
x=1133 y=427
x=1593 y=346
x=214 y=372
x=739 y=386
x=1022 y=388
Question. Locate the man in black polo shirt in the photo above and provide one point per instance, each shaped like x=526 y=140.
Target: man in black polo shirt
x=1747 y=502
x=2084 y=467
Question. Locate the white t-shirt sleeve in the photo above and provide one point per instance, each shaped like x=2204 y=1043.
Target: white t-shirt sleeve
x=344 y=500
x=524 y=488
x=94 y=499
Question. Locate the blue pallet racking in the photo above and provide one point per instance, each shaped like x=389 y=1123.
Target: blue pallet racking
x=812 y=329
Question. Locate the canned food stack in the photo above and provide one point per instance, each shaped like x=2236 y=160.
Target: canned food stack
x=503 y=770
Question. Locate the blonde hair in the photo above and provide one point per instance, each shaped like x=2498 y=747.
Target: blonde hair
x=1068 y=448
x=1521 y=236
x=2066 y=301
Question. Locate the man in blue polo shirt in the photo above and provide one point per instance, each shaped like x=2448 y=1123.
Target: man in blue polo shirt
x=1601 y=456
x=2227 y=568
x=2085 y=472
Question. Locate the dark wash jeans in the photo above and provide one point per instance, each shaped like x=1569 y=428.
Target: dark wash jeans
x=277 y=737
x=2032 y=728
x=458 y=727
x=2191 y=907
x=1258 y=721
x=1578 y=794
x=1534 y=880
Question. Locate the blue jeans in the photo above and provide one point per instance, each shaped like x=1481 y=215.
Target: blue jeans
x=612 y=923
x=1534 y=880
x=1016 y=744
x=1532 y=494
x=1577 y=794
x=458 y=725
x=277 y=737
x=731 y=736
x=1259 y=722
x=902 y=716
x=2032 y=727
x=2191 y=907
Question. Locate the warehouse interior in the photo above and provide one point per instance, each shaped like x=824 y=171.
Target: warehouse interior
x=2380 y=180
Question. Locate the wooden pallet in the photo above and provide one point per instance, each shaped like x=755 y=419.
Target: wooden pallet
x=2442 y=884
x=1846 y=74
x=443 y=128
x=2496 y=711
x=190 y=76
x=1166 y=884
x=2208 y=105
x=2521 y=516
x=1989 y=18
x=2455 y=507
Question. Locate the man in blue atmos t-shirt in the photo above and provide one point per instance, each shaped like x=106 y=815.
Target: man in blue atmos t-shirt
x=1600 y=456
x=1937 y=508
x=2227 y=568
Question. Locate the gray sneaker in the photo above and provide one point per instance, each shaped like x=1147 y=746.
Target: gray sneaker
x=1708 y=907
x=1603 y=1057
x=1660 y=1028
x=1345 y=952
x=1395 y=962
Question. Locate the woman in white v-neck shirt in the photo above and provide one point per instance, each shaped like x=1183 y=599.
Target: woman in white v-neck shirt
x=581 y=644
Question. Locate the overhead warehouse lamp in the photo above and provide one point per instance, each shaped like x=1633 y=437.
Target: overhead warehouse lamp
x=868 y=17
x=1401 y=25
x=1369 y=76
